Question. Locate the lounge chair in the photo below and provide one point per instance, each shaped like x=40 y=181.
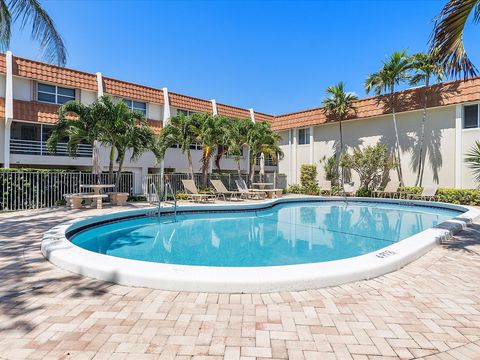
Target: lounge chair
x=428 y=193
x=193 y=194
x=390 y=190
x=326 y=188
x=222 y=191
x=247 y=193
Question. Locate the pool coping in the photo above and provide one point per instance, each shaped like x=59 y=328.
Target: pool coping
x=60 y=251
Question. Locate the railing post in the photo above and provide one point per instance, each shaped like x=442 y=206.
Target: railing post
x=37 y=188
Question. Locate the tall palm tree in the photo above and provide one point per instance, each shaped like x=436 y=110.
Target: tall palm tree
x=133 y=134
x=79 y=124
x=447 y=37
x=210 y=135
x=425 y=66
x=237 y=136
x=224 y=125
x=29 y=12
x=393 y=71
x=261 y=139
x=183 y=131
x=340 y=104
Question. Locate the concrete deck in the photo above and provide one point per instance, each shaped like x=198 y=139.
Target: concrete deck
x=429 y=309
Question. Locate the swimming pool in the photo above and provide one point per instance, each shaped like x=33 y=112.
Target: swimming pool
x=275 y=245
x=284 y=234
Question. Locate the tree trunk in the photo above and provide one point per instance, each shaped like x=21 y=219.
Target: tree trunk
x=342 y=174
x=119 y=173
x=190 y=164
x=110 y=165
x=239 y=168
x=421 y=160
x=205 y=165
x=397 y=141
x=262 y=166
x=252 y=168
x=218 y=157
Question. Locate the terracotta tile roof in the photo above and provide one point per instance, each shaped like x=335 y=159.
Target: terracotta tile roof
x=50 y=73
x=132 y=91
x=448 y=93
x=233 y=111
x=2 y=107
x=262 y=117
x=155 y=125
x=189 y=103
x=3 y=65
x=35 y=111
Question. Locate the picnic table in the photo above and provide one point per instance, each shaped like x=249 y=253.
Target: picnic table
x=97 y=188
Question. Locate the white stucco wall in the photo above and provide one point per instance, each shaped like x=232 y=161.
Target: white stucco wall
x=87 y=97
x=2 y=85
x=155 y=111
x=439 y=144
x=22 y=88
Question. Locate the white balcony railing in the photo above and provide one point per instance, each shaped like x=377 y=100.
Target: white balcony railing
x=32 y=147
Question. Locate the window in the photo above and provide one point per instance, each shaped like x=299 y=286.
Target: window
x=470 y=116
x=185 y=112
x=54 y=94
x=268 y=160
x=304 y=136
x=137 y=106
x=195 y=146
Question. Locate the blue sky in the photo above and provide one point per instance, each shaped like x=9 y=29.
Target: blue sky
x=276 y=57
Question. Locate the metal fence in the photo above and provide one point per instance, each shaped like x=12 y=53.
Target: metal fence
x=279 y=181
x=21 y=190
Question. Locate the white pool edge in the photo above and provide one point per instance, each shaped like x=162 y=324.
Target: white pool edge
x=61 y=252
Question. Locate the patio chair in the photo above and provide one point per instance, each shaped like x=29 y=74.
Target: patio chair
x=428 y=193
x=326 y=188
x=247 y=193
x=221 y=190
x=193 y=194
x=390 y=190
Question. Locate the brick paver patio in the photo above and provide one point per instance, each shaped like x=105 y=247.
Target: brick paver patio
x=430 y=309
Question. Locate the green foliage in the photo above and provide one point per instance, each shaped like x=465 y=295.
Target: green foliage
x=308 y=179
x=339 y=103
x=472 y=158
x=295 y=189
x=371 y=163
x=417 y=190
x=362 y=192
x=181 y=196
x=136 y=198
x=460 y=196
x=331 y=166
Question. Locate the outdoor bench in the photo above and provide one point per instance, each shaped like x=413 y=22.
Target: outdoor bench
x=75 y=200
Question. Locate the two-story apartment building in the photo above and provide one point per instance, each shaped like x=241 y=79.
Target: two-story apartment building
x=31 y=93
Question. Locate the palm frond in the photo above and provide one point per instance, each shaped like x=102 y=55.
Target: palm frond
x=472 y=158
x=447 y=37
x=43 y=29
x=5 y=23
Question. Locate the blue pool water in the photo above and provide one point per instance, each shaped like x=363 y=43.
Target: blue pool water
x=288 y=233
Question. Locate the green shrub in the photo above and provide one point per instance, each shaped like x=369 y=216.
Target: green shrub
x=363 y=193
x=136 y=198
x=295 y=189
x=460 y=196
x=308 y=179
x=331 y=167
x=181 y=196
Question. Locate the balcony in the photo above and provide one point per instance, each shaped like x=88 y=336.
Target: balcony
x=32 y=147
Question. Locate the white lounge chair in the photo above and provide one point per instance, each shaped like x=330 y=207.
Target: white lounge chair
x=193 y=194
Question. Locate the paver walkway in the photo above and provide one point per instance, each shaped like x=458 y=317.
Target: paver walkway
x=429 y=309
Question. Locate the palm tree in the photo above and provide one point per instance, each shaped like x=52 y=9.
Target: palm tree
x=473 y=160
x=447 y=37
x=393 y=71
x=425 y=66
x=80 y=124
x=224 y=125
x=261 y=139
x=183 y=131
x=340 y=104
x=237 y=136
x=132 y=133
x=43 y=28
x=210 y=134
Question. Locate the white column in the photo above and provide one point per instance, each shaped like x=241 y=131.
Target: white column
x=312 y=146
x=458 y=146
x=166 y=107
x=214 y=107
x=294 y=156
x=99 y=85
x=8 y=107
x=165 y=120
x=252 y=114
